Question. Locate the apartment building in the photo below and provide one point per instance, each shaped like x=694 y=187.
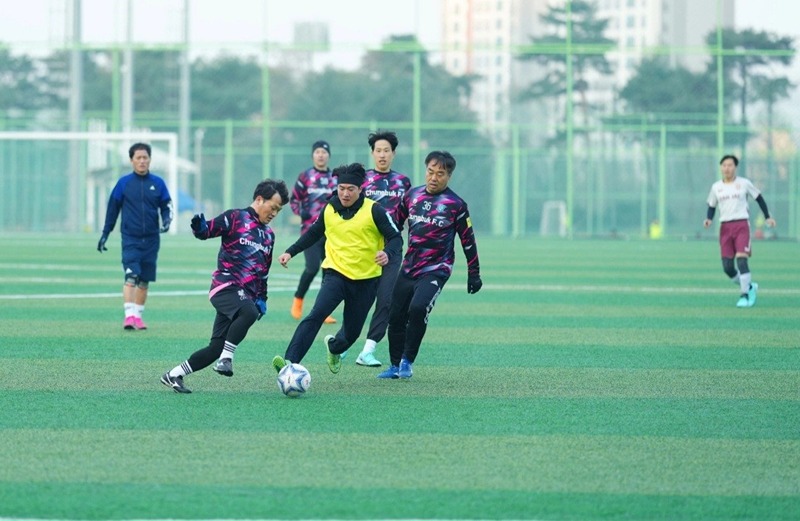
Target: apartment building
x=479 y=38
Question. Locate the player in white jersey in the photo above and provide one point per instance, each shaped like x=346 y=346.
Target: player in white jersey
x=729 y=194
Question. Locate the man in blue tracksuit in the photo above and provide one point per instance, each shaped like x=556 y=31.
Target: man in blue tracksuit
x=141 y=197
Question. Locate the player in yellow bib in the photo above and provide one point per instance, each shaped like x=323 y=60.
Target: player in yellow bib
x=360 y=238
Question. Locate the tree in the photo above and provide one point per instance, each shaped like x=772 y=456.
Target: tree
x=381 y=91
x=660 y=93
x=23 y=86
x=226 y=87
x=747 y=54
x=589 y=45
x=770 y=91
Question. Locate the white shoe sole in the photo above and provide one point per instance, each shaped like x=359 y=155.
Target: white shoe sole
x=374 y=363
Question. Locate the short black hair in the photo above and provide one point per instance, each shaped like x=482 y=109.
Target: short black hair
x=269 y=187
x=353 y=174
x=140 y=146
x=442 y=157
x=391 y=137
x=730 y=156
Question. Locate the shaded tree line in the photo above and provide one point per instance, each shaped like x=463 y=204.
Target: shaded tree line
x=231 y=87
x=661 y=91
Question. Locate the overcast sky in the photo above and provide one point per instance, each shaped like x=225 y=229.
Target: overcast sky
x=37 y=23
x=239 y=25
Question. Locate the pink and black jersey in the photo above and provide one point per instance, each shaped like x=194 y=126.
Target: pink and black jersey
x=433 y=222
x=245 y=255
x=387 y=189
x=310 y=195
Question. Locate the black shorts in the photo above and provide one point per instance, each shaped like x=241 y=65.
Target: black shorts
x=228 y=301
x=139 y=257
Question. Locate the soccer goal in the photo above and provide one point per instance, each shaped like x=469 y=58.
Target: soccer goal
x=554 y=219
x=60 y=181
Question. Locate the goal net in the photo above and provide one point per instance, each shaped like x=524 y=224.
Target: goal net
x=554 y=219
x=60 y=181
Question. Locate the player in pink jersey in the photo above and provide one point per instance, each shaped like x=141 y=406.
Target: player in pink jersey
x=729 y=194
x=435 y=217
x=386 y=186
x=239 y=285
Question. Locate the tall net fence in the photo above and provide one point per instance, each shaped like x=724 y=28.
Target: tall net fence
x=590 y=157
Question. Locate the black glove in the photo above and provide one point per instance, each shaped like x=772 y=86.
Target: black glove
x=101 y=244
x=199 y=224
x=474 y=284
x=165 y=226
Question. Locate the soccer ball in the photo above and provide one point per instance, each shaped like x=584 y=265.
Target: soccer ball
x=294 y=380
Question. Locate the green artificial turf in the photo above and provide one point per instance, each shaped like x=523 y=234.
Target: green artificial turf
x=588 y=380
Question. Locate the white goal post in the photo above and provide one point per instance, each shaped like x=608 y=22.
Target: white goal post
x=98 y=147
x=554 y=219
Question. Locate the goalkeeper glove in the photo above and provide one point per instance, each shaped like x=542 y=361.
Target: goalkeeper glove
x=199 y=224
x=261 y=304
x=474 y=284
x=165 y=226
x=101 y=244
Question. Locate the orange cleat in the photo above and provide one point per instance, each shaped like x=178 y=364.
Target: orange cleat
x=297 y=308
x=330 y=320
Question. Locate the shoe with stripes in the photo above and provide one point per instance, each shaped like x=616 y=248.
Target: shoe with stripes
x=175 y=382
x=224 y=366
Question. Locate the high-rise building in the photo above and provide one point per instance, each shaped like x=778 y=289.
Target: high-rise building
x=309 y=39
x=678 y=26
x=479 y=36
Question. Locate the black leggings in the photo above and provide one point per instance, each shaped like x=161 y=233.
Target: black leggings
x=234 y=318
x=412 y=303
x=357 y=295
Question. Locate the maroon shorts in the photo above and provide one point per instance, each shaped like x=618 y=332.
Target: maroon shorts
x=734 y=237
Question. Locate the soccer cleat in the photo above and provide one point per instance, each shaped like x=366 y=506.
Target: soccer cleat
x=405 y=369
x=279 y=363
x=743 y=301
x=138 y=324
x=297 y=308
x=129 y=324
x=368 y=360
x=330 y=320
x=751 y=293
x=334 y=361
x=224 y=366
x=176 y=383
x=392 y=372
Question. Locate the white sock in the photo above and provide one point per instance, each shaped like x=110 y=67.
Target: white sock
x=744 y=282
x=181 y=370
x=130 y=309
x=735 y=278
x=138 y=310
x=369 y=347
x=227 y=350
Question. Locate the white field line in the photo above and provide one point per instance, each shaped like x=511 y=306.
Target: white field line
x=632 y=289
x=490 y=287
x=179 y=293
x=277 y=278
x=117 y=269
